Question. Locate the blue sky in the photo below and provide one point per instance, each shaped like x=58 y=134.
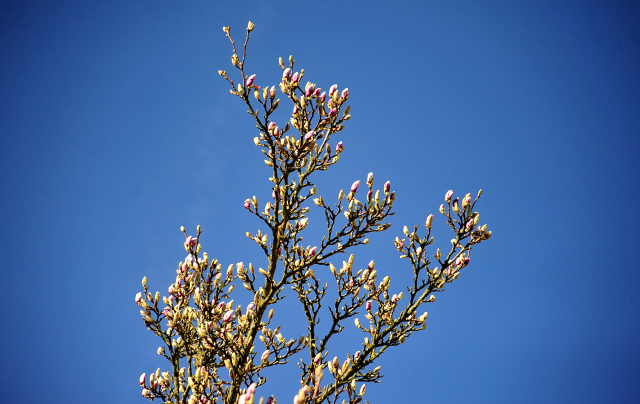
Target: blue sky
x=116 y=130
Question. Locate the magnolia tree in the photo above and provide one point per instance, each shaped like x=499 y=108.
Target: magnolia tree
x=218 y=350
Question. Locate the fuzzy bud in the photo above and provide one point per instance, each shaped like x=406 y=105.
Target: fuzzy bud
x=138 y=297
x=295 y=77
x=228 y=315
x=333 y=112
x=339 y=147
x=323 y=96
x=442 y=209
x=247 y=203
x=429 y=221
x=142 y=379
x=333 y=89
x=368 y=305
x=345 y=93
x=370 y=179
x=354 y=186
x=313 y=251
x=387 y=187
x=286 y=73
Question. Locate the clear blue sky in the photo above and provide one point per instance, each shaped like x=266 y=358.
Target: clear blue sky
x=116 y=130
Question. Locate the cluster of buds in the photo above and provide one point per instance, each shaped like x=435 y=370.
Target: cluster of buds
x=201 y=324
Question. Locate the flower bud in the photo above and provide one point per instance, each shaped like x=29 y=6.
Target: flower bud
x=316 y=92
x=286 y=73
x=339 y=147
x=142 y=379
x=250 y=79
x=312 y=252
x=271 y=126
x=323 y=96
x=250 y=27
x=363 y=389
x=387 y=187
x=357 y=322
x=428 y=222
x=442 y=209
x=456 y=208
x=228 y=315
x=392 y=196
x=345 y=93
x=145 y=392
x=309 y=135
x=317 y=358
x=276 y=131
x=251 y=306
x=368 y=305
x=333 y=112
x=370 y=179
x=309 y=90
x=265 y=355
x=138 y=297
x=247 y=203
x=448 y=195
x=272 y=92
x=295 y=77
x=354 y=186
x=333 y=89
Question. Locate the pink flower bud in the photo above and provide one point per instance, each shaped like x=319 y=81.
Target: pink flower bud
x=250 y=79
x=286 y=73
x=220 y=305
x=251 y=389
x=272 y=92
x=142 y=379
x=371 y=265
x=428 y=222
x=312 y=251
x=309 y=135
x=368 y=305
x=345 y=93
x=392 y=197
x=228 y=315
x=272 y=125
x=295 y=77
x=189 y=259
x=354 y=186
x=276 y=132
x=387 y=186
x=316 y=93
x=333 y=89
x=469 y=224
x=466 y=261
x=166 y=311
x=251 y=306
x=448 y=195
x=265 y=355
x=370 y=178
x=191 y=241
x=356 y=355
x=247 y=203
x=295 y=110
x=309 y=90
x=333 y=112
x=369 y=195
x=339 y=147
x=323 y=96
x=145 y=392
x=138 y=297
